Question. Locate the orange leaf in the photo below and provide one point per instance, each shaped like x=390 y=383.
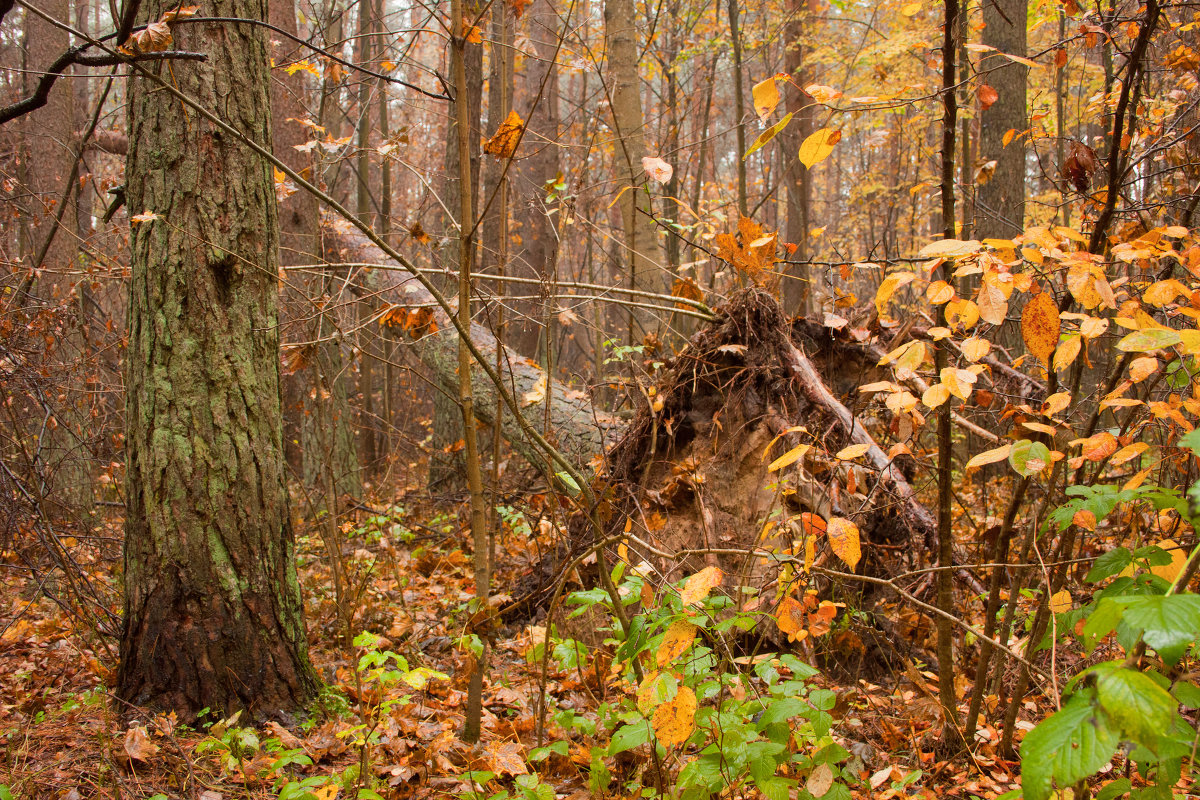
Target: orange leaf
x=1040 y=326
x=678 y=639
x=987 y=96
x=504 y=142
x=699 y=585
x=790 y=618
x=675 y=720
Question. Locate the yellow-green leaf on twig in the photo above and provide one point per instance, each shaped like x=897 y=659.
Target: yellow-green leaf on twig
x=768 y=135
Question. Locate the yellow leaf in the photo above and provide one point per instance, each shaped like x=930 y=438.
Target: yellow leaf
x=993 y=307
x=1179 y=557
x=989 y=457
x=817 y=147
x=910 y=9
x=949 y=248
x=961 y=313
x=537 y=394
x=939 y=292
x=766 y=96
x=1092 y=327
x=852 y=452
x=935 y=395
x=844 y=539
x=1056 y=403
x=791 y=456
x=822 y=94
x=654 y=690
x=1067 y=352
x=675 y=720
x=1162 y=292
x=504 y=142
x=1061 y=602
x=678 y=639
x=888 y=287
x=1040 y=326
x=1128 y=452
x=699 y=585
x=974 y=348
x=1142 y=368
x=768 y=135
x=1099 y=446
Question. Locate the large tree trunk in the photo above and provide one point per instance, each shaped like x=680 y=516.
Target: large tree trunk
x=212 y=605
x=1000 y=201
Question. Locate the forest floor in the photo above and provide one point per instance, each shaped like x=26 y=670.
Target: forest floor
x=407 y=579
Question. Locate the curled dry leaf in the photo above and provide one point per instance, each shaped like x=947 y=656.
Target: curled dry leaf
x=657 y=169
x=137 y=744
x=987 y=96
x=506 y=138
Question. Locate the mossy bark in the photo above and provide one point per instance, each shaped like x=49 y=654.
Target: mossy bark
x=212 y=605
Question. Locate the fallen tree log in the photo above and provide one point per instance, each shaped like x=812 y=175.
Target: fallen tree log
x=576 y=428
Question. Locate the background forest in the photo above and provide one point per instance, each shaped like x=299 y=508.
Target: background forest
x=571 y=399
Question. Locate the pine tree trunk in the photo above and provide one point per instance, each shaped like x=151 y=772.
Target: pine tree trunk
x=212 y=604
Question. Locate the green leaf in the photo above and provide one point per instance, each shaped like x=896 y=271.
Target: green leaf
x=1028 y=457
x=1112 y=791
x=1187 y=694
x=628 y=737
x=1101 y=623
x=1067 y=746
x=1140 y=706
x=768 y=135
x=1169 y=623
x=1109 y=564
x=1148 y=339
x=1191 y=441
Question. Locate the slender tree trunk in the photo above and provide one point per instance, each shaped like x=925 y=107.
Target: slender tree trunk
x=739 y=106
x=641 y=255
x=1000 y=201
x=212 y=605
x=797 y=178
x=537 y=164
x=446 y=467
x=951 y=733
